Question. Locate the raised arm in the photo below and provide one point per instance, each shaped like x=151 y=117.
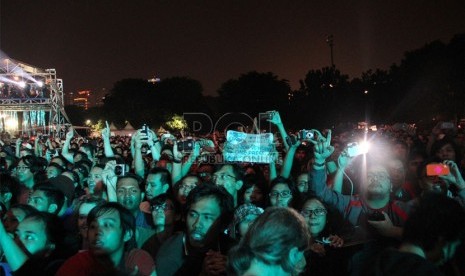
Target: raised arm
x=317 y=176
x=186 y=166
x=18 y=147
x=139 y=166
x=154 y=145
x=14 y=255
x=272 y=166
x=456 y=179
x=289 y=159
x=276 y=120
x=108 y=151
x=38 y=147
x=343 y=160
x=65 y=150
x=109 y=179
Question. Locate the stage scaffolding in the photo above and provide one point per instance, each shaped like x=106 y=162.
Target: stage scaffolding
x=31 y=100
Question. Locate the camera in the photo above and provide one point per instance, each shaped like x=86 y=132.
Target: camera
x=437 y=169
x=120 y=169
x=291 y=140
x=354 y=149
x=305 y=134
x=266 y=116
x=186 y=145
x=145 y=131
x=376 y=216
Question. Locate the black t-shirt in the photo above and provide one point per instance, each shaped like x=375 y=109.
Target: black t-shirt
x=396 y=263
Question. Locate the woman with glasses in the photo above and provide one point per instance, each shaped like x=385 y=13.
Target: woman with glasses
x=282 y=192
x=164 y=212
x=324 y=258
x=29 y=171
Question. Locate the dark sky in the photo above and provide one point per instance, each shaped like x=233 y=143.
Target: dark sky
x=93 y=43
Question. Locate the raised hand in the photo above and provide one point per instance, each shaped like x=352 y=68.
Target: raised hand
x=275 y=118
x=70 y=133
x=454 y=177
x=322 y=147
x=106 y=131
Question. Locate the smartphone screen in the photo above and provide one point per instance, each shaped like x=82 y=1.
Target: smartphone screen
x=437 y=169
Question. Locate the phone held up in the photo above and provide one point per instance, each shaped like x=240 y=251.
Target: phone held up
x=437 y=169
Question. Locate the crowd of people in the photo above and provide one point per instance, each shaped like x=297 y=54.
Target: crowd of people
x=146 y=204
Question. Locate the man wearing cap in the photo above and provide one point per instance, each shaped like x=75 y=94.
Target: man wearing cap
x=244 y=216
x=47 y=198
x=66 y=186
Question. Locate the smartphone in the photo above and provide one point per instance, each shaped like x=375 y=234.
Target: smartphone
x=437 y=169
x=447 y=125
x=354 y=149
x=265 y=116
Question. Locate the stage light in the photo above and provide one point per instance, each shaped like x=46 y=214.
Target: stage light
x=365 y=146
x=11 y=123
x=22 y=84
x=40 y=83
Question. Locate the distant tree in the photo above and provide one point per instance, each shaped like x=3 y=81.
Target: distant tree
x=177 y=95
x=254 y=92
x=375 y=88
x=139 y=101
x=132 y=100
x=430 y=81
x=325 y=93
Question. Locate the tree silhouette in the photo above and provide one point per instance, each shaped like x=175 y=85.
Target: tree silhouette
x=253 y=93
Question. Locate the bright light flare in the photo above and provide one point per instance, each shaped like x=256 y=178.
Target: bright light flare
x=40 y=83
x=22 y=84
x=11 y=123
x=364 y=147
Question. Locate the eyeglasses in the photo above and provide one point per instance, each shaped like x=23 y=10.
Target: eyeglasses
x=380 y=176
x=222 y=176
x=302 y=183
x=162 y=207
x=283 y=194
x=317 y=212
x=22 y=168
x=188 y=188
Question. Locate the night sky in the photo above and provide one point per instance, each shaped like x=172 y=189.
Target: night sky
x=94 y=43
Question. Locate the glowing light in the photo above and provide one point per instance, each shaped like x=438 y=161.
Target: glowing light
x=364 y=147
x=40 y=83
x=22 y=84
x=366 y=91
x=11 y=123
x=16 y=78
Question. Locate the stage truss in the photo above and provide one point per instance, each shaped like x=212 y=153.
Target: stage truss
x=32 y=98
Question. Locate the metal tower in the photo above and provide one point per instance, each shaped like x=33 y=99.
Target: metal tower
x=33 y=97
